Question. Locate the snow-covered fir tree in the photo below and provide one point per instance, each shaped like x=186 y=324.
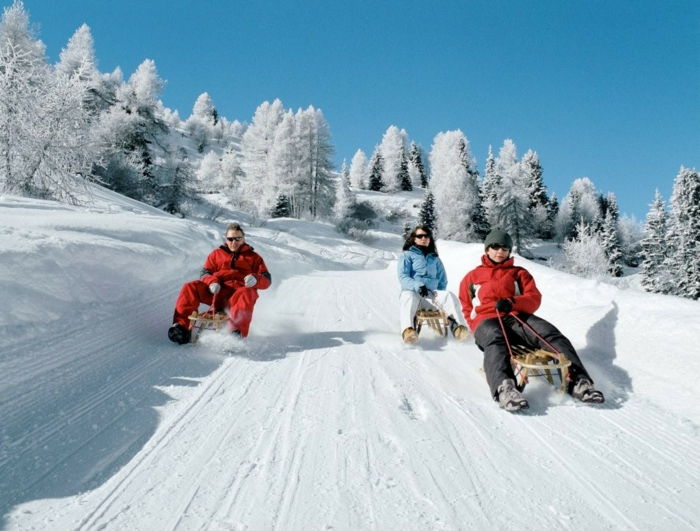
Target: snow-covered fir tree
x=611 y=244
x=427 y=216
x=416 y=168
x=537 y=193
x=405 y=183
x=376 y=172
x=208 y=174
x=132 y=132
x=256 y=144
x=283 y=177
x=231 y=172
x=580 y=204
x=344 y=198
x=654 y=276
x=315 y=162
x=453 y=182
x=490 y=188
x=282 y=208
x=45 y=139
x=202 y=122
x=585 y=254
x=393 y=151
x=683 y=259
x=511 y=208
x=359 y=170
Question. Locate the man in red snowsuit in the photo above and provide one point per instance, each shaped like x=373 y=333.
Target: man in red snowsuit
x=231 y=276
x=490 y=294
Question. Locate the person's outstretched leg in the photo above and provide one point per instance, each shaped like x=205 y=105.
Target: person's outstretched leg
x=241 y=306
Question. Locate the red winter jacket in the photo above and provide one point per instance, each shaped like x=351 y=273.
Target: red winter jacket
x=489 y=282
x=229 y=268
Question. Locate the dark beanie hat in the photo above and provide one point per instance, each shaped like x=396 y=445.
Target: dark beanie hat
x=500 y=237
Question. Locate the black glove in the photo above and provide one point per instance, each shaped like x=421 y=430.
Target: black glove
x=504 y=305
x=423 y=291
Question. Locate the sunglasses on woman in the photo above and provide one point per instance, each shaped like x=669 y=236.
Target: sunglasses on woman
x=498 y=247
x=422 y=235
x=234 y=238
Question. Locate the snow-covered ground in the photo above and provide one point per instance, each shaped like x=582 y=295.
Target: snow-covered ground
x=322 y=419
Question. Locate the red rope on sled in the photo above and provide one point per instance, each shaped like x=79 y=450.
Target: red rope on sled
x=554 y=350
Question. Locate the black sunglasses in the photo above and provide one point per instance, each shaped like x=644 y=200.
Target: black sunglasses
x=234 y=238
x=498 y=247
x=418 y=236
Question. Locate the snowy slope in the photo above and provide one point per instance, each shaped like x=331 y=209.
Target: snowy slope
x=322 y=419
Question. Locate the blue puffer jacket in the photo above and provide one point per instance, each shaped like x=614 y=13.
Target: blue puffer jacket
x=416 y=270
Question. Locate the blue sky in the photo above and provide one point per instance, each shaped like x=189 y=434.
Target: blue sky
x=608 y=89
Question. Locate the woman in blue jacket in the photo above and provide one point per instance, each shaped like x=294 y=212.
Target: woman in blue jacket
x=423 y=285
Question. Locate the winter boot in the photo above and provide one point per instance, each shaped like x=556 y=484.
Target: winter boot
x=460 y=332
x=179 y=334
x=409 y=335
x=584 y=391
x=510 y=398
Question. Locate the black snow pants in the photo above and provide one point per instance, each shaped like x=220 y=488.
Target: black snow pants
x=489 y=338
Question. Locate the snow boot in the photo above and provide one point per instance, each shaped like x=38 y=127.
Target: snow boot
x=459 y=332
x=409 y=335
x=509 y=398
x=179 y=334
x=584 y=391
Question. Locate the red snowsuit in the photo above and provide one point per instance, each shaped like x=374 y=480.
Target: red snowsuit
x=483 y=286
x=479 y=291
x=228 y=269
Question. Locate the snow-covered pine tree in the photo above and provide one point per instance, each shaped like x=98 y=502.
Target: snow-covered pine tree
x=490 y=188
x=78 y=58
x=132 y=132
x=584 y=254
x=376 y=171
x=344 y=198
x=282 y=208
x=537 y=192
x=427 y=216
x=416 y=168
x=315 y=161
x=683 y=260
x=45 y=140
x=511 y=210
x=256 y=143
x=453 y=182
x=404 y=177
x=359 y=170
x=580 y=204
x=209 y=173
x=283 y=176
x=611 y=243
x=654 y=277
x=202 y=122
x=393 y=150
x=231 y=173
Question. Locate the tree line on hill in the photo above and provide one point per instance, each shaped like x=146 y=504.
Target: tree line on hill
x=64 y=124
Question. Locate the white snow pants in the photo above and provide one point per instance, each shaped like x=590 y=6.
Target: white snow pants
x=410 y=302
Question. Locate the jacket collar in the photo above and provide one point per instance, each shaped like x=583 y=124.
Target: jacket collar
x=242 y=249
x=486 y=261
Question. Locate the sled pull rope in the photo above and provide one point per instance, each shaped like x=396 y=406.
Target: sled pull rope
x=554 y=350
x=505 y=335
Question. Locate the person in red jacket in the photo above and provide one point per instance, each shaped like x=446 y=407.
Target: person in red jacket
x=499 y=288
x=232 y=275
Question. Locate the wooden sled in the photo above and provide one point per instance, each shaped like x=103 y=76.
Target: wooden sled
x=538 y=362
x=435 y=319
x=208 y=320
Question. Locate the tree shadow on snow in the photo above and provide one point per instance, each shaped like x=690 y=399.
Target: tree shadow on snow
x=83 y=427
x=598 y=357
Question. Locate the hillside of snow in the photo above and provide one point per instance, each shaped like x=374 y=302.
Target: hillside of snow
x=322 y=418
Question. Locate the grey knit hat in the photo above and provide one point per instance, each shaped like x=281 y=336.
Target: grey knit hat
x=500 y=237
